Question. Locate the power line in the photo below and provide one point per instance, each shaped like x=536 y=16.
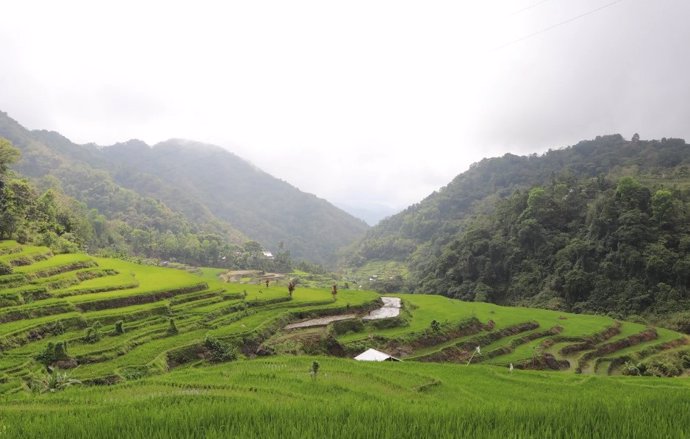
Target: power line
x=527 y=8
x=546 y=29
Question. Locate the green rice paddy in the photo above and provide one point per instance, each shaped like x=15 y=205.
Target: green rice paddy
x=150 y=382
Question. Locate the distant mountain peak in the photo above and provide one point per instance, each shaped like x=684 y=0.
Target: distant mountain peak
x=131 y=144
x=190 y=145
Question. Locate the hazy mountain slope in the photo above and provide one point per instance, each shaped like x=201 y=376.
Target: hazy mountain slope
x=82 y=172
x=204 y=184
x=266 y=209
x=418 y=234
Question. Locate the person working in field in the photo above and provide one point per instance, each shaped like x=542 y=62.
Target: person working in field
x=334 y=291
x=291 y=287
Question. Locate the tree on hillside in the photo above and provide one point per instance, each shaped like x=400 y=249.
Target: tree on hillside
x=51 y=218
x=119 y=329
x=172 y=327
x=314 y=369
x=16 y=206
x=8 y=155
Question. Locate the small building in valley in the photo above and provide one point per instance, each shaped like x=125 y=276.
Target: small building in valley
x=374 y=355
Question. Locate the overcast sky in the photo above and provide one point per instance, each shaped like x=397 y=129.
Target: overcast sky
x=363 y=103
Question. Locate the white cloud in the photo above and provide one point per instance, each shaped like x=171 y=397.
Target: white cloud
x=373 y=102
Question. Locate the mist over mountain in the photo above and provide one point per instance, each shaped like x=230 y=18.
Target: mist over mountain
x=203 y=184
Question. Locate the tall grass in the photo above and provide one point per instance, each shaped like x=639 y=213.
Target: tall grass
x=278 y=399
x=188 y=417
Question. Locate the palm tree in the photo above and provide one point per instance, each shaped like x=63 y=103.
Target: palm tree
x=52 y=382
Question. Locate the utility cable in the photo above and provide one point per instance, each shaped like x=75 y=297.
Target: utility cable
x=554 y=26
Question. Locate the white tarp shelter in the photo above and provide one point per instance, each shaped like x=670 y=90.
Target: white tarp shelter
x=374 y=355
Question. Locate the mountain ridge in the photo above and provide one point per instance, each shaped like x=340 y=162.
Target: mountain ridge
x=439 y=240
x=207 y=184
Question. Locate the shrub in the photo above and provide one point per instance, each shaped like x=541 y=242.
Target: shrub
x=679 y=322
x=685 y=360
x=22 y=261
x=392 y=322
x=345 y=326
x=11 y=299
x=93 y=334
x=119 y=329
x=219 y=351
x=53 y=352
x=61 y=350
x=134 y=372
x=5 y=268
x=314 y=370
x=51 y=382
x=666 y=366
x=57 y=328
x=630 y=368
x=47 y=355
x=172 y=328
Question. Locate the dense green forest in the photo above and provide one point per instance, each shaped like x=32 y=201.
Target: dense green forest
x=177 y=188
x=592 y=245
x=424 y=227
x=44 y=215
x=599 y=226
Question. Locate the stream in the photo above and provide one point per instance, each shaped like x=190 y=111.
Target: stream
x=391 y=308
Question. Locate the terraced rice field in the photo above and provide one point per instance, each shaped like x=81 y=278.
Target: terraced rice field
x=50 y=299
x=56 y=298
x=527 y=338
x=164 y=383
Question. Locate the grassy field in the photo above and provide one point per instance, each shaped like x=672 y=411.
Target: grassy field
x=277 y=397
x=174 y=325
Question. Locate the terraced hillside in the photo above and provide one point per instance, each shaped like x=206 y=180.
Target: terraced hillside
x=107 y=321
x=78 y=301
x=526 y=337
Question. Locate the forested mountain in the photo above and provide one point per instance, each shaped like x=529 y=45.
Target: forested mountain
x=264 y=208
x=180 y=186
x=590 y=245
x=601 y=225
